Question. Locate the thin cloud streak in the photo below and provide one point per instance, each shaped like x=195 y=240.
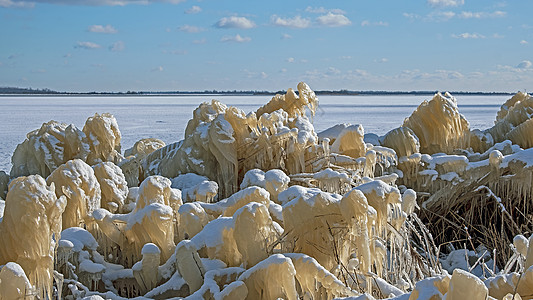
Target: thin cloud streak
x=87 y=45
x=102 y=29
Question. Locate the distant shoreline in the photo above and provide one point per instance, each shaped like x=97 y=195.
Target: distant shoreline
x=16 y=92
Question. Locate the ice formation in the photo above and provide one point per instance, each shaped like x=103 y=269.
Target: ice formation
x=32 y=218
x=113 y=185
x=132 y=164
x=195 y=188
x=403 y=140
x=258 y=206
x=152 y=221
x=223 y=143
x=274 y=181
x=4 y=182
x=76 y=181
x=439 y=126
x=350 y=142
x=514 y=121
x=55 y=143
x=145 y=271
x=13 y=282
x=47 y=148
x=103 y=138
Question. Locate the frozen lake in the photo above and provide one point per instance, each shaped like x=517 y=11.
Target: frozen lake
x=165 y=117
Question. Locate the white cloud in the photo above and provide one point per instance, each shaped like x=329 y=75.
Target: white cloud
x=445 y=3
x=102 y=29
x=194 y=10
x=23 y=3
x=451 y=74
x=481 y=15
x=467 y=35
x=333 y=20
x=175 y=52
x=526 y=64
x=198 y=42
x=290 y=59
x=442 y=16
x=158 y=69
x=17 y=4
x=333 y=71
x=411 y=16
x=359 y=73
x=439 y=16
x=296 y=22
x=368 y=23
x=235 y=22
x=87 y=45
x=322 y=10
x=382 y=60
x=190 y=29
x=498 y=36
x=523 y=42
x=476 y=74
x=250 y=74
x=438 y=75
x=286 y=36
x=117 y=46
x=237 y=39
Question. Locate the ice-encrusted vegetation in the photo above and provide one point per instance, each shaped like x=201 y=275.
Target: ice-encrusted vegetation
x=260 y=206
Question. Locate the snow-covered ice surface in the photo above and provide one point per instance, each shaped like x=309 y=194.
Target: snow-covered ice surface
x=165 y=117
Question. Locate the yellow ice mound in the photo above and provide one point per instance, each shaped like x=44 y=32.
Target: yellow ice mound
x=132 y=164
x=55 y=143
x=4 y=181
x=293 y=104
x=76 y=181
x=504 y=109
x=13 y=282
x=222 y=143
x=254 y=233
x=340 y=224
x=144 y=147
x=153 y=220
x=113 y=185
x=350 y=142
x=461 y=285
x=514 y=121
x=439 y=126
x=403 y=140
x=274 y=181
x=103 y=138
x=47 y=148
x=272 y=278
x=30 y=228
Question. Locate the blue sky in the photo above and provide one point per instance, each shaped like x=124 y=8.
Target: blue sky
x=121 y=45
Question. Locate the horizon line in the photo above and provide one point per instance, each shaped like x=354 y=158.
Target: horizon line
x=8 y=91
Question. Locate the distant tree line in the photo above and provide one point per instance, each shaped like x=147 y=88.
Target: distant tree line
x=343 y=92
x=16 y=90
